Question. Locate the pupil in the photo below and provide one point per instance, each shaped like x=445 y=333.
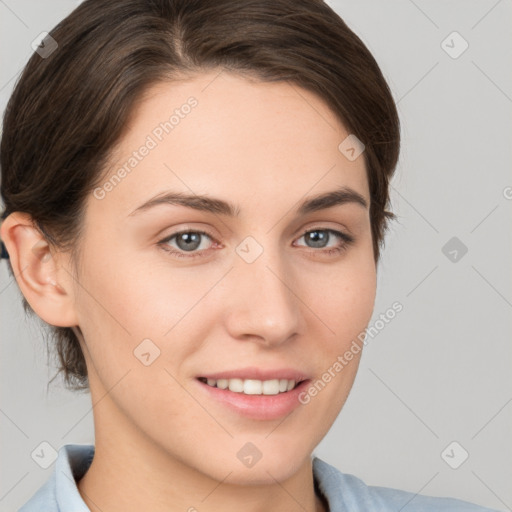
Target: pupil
x=191 y=241
x=318 y=238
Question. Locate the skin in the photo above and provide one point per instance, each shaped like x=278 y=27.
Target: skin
x=160 y=443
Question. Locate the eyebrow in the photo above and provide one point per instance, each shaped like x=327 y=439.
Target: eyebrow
x=343 y=195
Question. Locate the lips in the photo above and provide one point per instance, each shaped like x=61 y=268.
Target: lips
x=256 y=393
x=256 y=381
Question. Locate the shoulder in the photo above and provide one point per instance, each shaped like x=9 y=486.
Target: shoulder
x=60 y=492
x=345 y=492
x=43 y=499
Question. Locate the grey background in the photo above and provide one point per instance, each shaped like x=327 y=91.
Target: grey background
x=440 y=370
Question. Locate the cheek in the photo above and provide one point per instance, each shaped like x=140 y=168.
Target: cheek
x=344 y=301
x=122 y=301
x=356 y=303
x=343 y=298
x=111 y=309
x=127 y=297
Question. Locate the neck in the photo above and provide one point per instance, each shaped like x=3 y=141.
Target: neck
x=129 y=473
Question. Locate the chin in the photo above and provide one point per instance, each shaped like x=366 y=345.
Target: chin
x=265 y=468
x=263 y=474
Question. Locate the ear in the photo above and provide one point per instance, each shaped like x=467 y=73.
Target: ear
x=39 y=270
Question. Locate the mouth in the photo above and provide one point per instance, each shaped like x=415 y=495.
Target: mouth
x=255 y=393
x=253 y=386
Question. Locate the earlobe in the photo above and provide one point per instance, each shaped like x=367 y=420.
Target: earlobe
x=36 y=269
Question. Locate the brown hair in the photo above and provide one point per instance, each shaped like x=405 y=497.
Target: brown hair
x=68 y=109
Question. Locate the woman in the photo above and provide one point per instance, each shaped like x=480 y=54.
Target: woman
x=195 y=198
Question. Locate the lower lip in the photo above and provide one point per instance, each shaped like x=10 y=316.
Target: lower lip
x=257 y=407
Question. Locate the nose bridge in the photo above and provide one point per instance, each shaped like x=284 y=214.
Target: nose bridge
x=264 y=304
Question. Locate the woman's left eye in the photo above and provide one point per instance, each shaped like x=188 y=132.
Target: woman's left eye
x=191 y=241
x=321 y=237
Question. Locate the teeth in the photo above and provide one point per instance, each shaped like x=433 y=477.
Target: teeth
x=270 y=387
x=221 y=383
x=252 y=386
x=236 y=385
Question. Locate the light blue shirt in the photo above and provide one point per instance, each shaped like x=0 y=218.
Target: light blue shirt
x=343 y=492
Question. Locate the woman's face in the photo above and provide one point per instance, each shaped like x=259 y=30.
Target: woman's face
x=254 y=297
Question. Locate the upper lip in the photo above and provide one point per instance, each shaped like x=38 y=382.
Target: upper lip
x=258 y=374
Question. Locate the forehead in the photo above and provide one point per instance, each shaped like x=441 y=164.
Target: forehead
x=223 y=134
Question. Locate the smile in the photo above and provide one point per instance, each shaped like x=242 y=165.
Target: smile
x=252 y=386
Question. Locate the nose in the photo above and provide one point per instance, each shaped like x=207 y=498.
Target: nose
x=263 y=305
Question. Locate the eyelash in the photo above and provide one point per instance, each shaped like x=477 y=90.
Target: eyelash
x=346 y=241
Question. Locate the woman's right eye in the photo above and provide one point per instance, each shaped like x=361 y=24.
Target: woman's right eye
x=186 y=241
